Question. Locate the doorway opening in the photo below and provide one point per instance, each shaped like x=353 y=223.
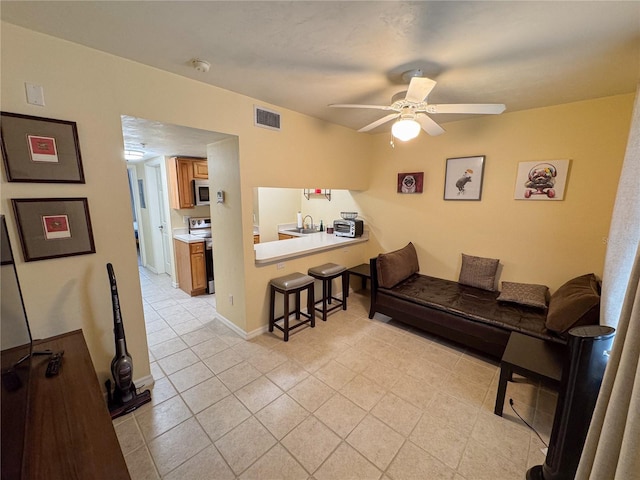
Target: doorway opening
x=155 y=223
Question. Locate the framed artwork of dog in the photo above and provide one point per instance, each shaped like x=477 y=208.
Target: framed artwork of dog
x=463 y=178
x=410 y=182
x=544 y=180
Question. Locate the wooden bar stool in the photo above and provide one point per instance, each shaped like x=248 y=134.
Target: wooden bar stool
x=327 y=273
x=293 y=283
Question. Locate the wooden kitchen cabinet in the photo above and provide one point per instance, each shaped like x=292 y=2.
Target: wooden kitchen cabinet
x=180 y=175
x=191 y=267
x=201 y=170
x=284 y=236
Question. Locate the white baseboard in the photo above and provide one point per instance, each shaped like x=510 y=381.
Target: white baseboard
x=260 y=330
x=142 y=383
x=257 y=332
x=145 y=382
x=232 y=326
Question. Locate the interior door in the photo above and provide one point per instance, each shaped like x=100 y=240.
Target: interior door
x=155 y=257
x=164 y=224
x=134 y=189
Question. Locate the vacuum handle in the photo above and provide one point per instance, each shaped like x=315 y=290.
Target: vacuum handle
x=118 y=326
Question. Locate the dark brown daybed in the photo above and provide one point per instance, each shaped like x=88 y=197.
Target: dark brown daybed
x=470 y=311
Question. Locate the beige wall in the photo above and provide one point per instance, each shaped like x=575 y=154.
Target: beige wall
x=539 y=242
x=276 y=206
x=94 y=89
x=329 y=210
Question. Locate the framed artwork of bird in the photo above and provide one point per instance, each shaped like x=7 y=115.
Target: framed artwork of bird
x=463 y=178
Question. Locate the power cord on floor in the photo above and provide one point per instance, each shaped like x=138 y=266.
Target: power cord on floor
x=525 y=422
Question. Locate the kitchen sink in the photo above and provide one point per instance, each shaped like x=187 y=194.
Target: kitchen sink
x=304 y=231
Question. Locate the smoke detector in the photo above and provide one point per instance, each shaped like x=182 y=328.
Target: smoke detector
x=200 y=65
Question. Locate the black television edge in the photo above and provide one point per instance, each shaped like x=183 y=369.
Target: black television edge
x=16 y=350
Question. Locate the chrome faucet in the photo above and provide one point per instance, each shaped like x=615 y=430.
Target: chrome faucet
x=305 y=217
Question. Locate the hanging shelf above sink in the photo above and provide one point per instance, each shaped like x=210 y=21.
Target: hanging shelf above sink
x=317 y=192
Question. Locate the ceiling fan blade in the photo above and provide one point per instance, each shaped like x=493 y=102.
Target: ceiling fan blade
x=352 y=105
x=379 y=122
x=429 y=125
x=476 y=108
x=419 y=89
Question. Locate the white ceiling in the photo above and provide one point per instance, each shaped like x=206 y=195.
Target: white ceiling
x=304 y=55
x=155 y=138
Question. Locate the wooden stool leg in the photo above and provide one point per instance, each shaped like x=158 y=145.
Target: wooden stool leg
x=348 y=279
x=286 y=317
x=330 y=289
x=324 y=300
x=345 y=289
x=272 y=301
x=311 y=305
x=298 y=304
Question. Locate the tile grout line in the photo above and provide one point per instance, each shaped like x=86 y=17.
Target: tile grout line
x=374 y=333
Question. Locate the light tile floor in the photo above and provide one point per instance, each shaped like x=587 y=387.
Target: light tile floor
x=351 y=398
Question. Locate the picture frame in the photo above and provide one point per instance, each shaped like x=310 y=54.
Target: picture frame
x=463 y=178
x=541 y=180
x=53 y=227
x=411 y=182
x=40 y=150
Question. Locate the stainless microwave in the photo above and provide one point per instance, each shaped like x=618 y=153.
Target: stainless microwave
x=348 y=228
x=201 y=192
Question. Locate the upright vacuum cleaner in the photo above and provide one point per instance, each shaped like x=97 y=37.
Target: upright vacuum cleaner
x=124 y=398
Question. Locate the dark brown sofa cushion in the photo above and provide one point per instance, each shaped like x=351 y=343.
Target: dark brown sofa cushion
x=396 y=266
x=479 y=272
x=529 y=294
x=575 y=303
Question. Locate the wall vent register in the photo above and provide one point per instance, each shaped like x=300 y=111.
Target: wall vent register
x=265 y=118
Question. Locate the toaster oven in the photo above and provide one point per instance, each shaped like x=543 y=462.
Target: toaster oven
x=348 y=228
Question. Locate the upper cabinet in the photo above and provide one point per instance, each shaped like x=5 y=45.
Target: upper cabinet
x=200 y=170
x=180 y=175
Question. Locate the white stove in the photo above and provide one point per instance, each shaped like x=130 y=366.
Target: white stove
x=201 y=227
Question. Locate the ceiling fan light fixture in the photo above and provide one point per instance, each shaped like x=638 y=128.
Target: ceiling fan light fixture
x=405 y=129
x=133 y=154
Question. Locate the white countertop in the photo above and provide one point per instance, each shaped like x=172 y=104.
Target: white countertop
x=271 y=252
x=186 y=238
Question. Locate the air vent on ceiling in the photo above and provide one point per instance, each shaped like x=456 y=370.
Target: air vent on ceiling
x=265 y=118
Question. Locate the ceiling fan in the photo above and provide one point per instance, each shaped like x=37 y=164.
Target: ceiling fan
x=410 y=109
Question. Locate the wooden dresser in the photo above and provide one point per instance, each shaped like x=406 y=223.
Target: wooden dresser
x=69 y=430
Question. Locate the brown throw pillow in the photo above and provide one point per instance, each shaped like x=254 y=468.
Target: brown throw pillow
x=529 y=294
x=393 y=267
x=575 y=303
x=479 y=272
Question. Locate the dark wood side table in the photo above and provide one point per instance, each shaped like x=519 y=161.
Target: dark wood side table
x=69 y=430
x=530 y=357
x=363 y=271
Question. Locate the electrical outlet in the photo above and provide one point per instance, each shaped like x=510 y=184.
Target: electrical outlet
x=280 y=266
x=230 y=299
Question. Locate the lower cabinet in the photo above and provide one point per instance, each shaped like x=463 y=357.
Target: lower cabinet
x=284 y=236
x=191 y=267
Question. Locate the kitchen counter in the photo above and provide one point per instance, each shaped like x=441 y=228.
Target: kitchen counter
x=186 y=238
x=279 y=250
